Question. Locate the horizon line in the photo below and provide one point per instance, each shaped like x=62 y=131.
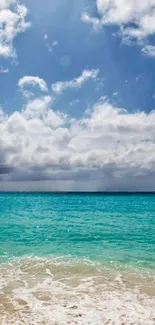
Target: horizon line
x=79 y=192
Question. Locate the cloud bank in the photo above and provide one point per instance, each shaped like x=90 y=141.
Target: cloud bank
x=107 y=149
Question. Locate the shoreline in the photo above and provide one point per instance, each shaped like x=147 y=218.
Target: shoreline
x=122 y=276
x=55 y=292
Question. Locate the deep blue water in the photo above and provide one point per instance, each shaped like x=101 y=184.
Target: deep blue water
x=113 y=229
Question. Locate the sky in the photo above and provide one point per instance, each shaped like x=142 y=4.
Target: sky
x=77 y=95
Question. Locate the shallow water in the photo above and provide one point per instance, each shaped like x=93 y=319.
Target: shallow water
x=58 y=291
x=77 y=259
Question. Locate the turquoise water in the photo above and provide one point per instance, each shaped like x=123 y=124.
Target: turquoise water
x=112 y=229
x=77 y=259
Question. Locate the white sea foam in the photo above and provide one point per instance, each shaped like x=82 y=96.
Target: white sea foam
x=58 y=292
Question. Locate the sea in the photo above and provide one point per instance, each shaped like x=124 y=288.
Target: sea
x=77 y=258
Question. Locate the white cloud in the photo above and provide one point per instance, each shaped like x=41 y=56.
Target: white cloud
x=115 y=94
x=12 y=22
x=45 y=37
x=3 y=70
x=52 y=46
x=95 y=21
x=108 y=148
x=138 y=77
x=149 y=50
x=60 y=86
x=55 y=43
x=33 y=81
x=136 y=18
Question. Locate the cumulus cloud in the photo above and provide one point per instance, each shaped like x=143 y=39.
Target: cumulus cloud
x=136 y=18
x=149 y=50
x=107 y=149
x=12 y=22
x=33 y=81
x=60 y=86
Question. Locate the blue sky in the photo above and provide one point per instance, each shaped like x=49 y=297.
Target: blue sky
x=56 y=42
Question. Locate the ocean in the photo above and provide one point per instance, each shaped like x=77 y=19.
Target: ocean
x=77 y=259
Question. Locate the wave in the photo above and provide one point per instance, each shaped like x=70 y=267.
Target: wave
x=62 y=291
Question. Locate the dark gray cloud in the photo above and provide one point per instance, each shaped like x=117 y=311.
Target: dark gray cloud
x=4 y=169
